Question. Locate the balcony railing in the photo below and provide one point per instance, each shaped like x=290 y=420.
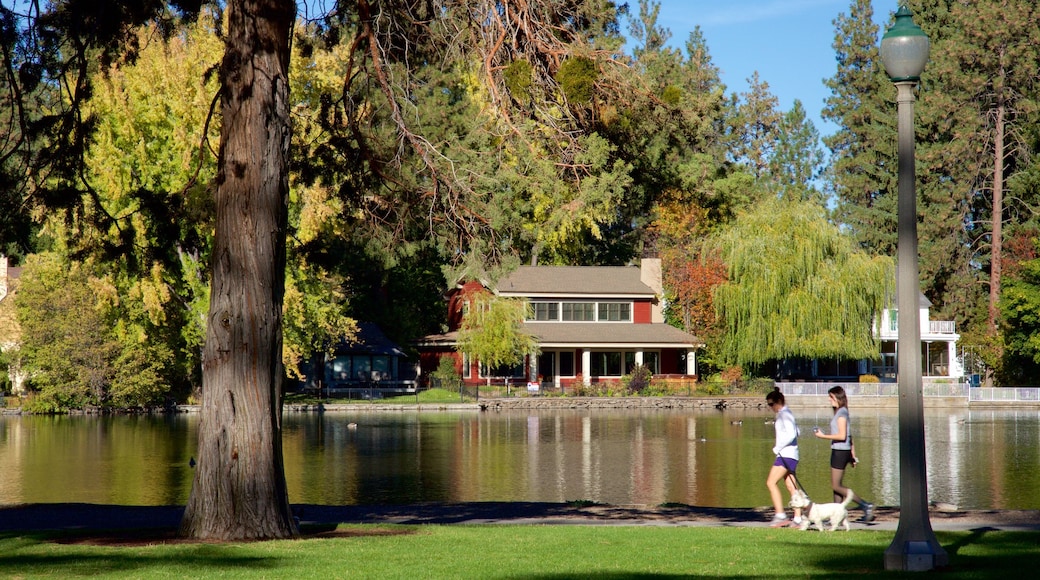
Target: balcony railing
x=942 y=327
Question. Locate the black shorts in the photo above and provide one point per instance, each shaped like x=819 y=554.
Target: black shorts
x=840 y=458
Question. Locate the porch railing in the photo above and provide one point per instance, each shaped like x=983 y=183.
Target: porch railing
x=942 y=327
x=1004 y=394
x=928 y=389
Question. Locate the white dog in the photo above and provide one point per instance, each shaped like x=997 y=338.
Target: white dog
x=817 y=513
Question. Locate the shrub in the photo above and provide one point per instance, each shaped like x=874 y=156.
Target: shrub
x=445 y=376
x=869 y=379
x=731 y=375
x=637 y=382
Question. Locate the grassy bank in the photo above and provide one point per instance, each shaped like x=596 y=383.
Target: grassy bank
x=531 y=551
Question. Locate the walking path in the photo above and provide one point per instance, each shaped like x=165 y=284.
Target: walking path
x=83 y=517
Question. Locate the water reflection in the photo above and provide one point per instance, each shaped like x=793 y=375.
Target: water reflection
x=976 y=459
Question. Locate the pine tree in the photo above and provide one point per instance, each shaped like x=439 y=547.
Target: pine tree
x=862 y=171
x=984 y=69
x=797 y=159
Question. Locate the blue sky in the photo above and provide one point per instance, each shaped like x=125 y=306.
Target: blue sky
x=787 y=41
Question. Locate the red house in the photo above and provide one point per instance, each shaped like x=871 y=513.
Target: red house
x=592 y=323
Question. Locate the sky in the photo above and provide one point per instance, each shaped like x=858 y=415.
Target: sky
x=787 y=41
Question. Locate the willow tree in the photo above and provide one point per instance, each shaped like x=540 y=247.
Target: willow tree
x=796 y=287
x=492 y=331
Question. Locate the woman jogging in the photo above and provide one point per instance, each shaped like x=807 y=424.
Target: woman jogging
x=786 y=452
x=843 y=453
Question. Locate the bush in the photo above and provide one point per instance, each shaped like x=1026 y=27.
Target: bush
x=869 y=379
x=445 y=377
x=637 y=382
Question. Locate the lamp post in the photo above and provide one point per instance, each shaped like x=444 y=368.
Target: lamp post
x=904 y=52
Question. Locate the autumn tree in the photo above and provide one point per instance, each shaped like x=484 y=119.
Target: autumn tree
x=76 y=345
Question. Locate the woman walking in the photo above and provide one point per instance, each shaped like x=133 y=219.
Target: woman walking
x=843 y=453
x=786 y=452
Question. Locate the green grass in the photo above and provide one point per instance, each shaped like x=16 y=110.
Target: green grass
x=428 y=396
x=531 y=551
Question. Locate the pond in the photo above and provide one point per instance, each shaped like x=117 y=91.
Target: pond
x=975 y=459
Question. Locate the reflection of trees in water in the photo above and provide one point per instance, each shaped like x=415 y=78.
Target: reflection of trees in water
x=976 y=459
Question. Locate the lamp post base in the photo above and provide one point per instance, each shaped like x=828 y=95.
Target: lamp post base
x=915 y=556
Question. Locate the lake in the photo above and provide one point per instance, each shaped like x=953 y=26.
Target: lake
x=977 y=459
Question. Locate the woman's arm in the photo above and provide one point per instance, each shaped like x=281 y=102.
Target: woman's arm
x=838 y=435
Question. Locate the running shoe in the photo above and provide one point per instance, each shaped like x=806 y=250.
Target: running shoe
x=868 y=512
x=780 y=521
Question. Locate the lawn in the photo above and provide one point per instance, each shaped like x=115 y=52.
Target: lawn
x=558 y=552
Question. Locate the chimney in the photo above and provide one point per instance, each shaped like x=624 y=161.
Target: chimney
x=650 y=274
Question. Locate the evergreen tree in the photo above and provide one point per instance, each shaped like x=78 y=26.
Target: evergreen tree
x=862 y=170
x=797 y=159
x=757 y=126
x=985 y=61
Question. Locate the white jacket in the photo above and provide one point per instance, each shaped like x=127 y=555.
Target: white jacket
x=786 y=435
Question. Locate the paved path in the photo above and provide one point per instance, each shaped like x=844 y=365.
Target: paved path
x=71 y=516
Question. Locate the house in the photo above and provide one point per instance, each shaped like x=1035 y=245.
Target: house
x=366 y=365
x=938 y=344
x=10 y=331
x=592 y=324
x=939 y=358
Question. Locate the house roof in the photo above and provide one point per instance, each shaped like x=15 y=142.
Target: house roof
x=369 y=340
x=603 y=334
x=575 y=281
x=594 y=335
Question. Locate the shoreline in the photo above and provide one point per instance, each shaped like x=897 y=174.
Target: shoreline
x=592 y=403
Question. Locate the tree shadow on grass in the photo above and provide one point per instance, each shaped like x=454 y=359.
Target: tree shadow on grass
x=19 y=556
x=190 y=561
x=981 y=552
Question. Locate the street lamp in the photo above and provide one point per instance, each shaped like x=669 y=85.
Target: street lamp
x=904 y=52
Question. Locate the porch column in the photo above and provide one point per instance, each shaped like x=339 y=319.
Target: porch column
x=586 y=366
x=691 y=362
x=951 y=358
x=639 y=357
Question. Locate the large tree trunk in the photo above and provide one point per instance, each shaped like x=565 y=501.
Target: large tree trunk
x=239 y=490
x=996 y=238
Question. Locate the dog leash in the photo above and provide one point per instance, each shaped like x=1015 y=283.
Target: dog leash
x=783 y=460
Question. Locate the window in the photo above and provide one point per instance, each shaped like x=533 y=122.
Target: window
x=517 y=371
x=652 y=361
x=893 y=320
x=579 y=311
x=362 y=368
x=381 y=368
x=341 y=368
x=467 y=369
x=606 y=364
x=566 y=363
x=545 y=310
x=615 y=311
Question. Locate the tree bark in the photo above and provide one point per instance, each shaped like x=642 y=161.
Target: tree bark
x=239 y=490
x=996 y=238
